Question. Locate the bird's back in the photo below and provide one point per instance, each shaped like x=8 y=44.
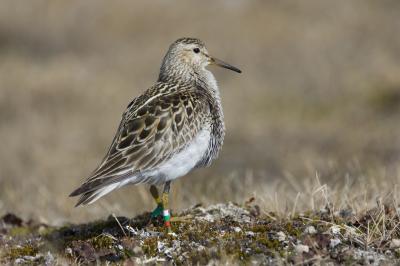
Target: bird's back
x=156 y=127
x=175 y=126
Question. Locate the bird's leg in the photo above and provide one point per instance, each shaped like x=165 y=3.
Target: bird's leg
x=166 y=214
x=159 y=209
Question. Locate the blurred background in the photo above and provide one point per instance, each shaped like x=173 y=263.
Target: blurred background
x=318 y=101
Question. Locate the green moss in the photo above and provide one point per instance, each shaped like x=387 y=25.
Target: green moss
x=127 y=253
x=272 y=244
x=216 y=241
x=397 y=253
x=292 y=230
x=233 y=236
x=199 y=232
x=202 y=257
x=234 y=249
x=283 y=253
x=350 y=261
x=102 y=241
x=20 y=231
x=259 y=228
x=62 y=237
x=46 y=231
x=17 y=252
x=149 y=246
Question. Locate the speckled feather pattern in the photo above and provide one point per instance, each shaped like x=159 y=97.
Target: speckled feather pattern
x=182 y=110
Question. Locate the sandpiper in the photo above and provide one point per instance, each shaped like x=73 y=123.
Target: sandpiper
x=175 y=126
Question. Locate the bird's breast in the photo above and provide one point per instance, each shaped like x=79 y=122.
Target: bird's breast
x=185 y=160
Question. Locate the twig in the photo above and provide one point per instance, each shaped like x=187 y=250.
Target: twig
x=120 y=226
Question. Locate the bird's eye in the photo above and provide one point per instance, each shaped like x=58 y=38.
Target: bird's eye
x=196 y=50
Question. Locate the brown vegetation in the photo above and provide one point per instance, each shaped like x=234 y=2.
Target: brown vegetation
x=218 y=234
x=317 y=103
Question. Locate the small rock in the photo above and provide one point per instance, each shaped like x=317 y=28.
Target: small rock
x=160 y=246
x=176 y=244
x=49 y=259
x=19 y=261
x=237 y=229
x=172 y=234
x=346 y=213
x=168 y=252
x=335 y=230
x=395 y=243
x=334 y=242
x=250 y=233
x=131 y=229
x=281 y=236
x=68 y=251
x=324 y=210
x=302 y=248
x=84 y=250
x=350 y=231
x=223 y=211
x=31 y=258
x=137 y=250
x=310 y=230
x=42 y=229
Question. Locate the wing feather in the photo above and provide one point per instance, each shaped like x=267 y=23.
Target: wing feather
x=152 y=130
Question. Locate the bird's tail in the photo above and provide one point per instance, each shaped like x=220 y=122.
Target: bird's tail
x=94 y=189
x=92 y=196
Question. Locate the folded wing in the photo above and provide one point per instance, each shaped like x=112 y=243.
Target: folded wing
x=152 y=130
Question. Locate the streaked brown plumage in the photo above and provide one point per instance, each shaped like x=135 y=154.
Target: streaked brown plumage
x=161 y=126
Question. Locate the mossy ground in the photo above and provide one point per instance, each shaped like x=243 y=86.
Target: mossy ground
x=219 y=233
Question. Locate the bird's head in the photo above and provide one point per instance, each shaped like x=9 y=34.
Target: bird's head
x=190 y=54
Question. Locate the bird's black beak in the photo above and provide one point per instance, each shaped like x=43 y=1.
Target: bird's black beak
x=215 y=61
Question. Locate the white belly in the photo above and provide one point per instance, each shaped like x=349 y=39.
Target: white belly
x=180 y=164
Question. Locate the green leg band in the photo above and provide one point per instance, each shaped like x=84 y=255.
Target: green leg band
x=157 y=211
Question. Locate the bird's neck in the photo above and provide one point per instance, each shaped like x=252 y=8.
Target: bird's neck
x=199 y=77
x=206 y=80
x=203 y=79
